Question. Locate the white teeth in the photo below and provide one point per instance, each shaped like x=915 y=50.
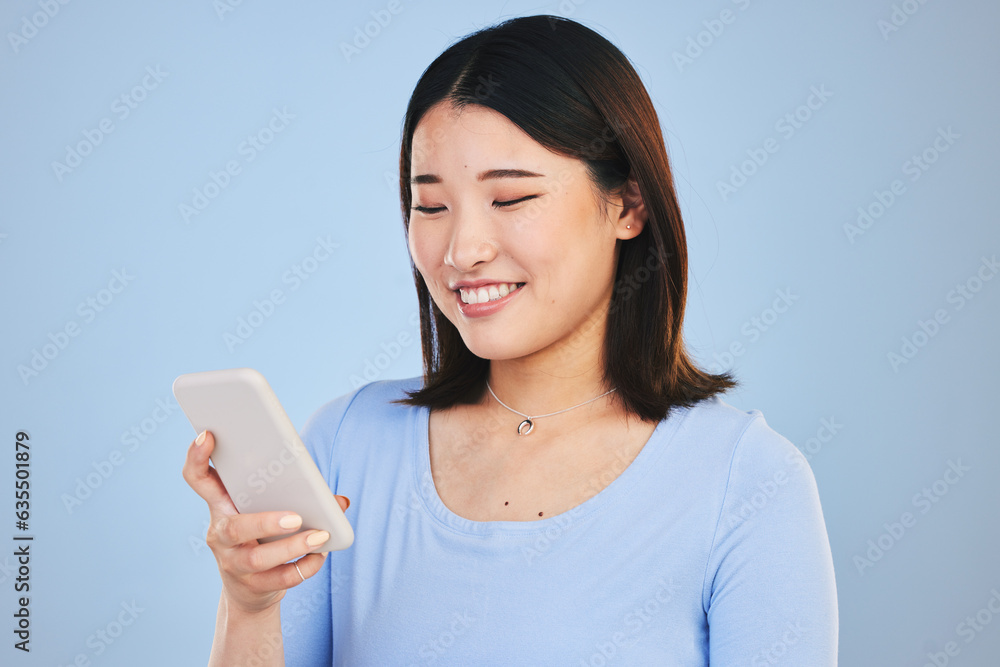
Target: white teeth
x=489 y=293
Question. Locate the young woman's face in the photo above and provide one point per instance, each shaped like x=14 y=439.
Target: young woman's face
x=496 y=214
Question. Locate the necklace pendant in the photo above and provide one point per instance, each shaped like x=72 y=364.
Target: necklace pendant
x=524 y=428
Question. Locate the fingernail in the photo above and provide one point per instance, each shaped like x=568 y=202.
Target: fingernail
x=348 y=502
x=200 y=439
x=290 y=521
x=317 y=539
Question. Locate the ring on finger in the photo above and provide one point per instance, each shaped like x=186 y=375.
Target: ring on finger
x=299 y=571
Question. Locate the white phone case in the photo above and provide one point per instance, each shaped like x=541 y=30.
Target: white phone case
x=258 y=453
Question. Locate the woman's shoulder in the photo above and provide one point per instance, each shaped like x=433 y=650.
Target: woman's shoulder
x=713 y=419
x=741 y=446
x=364 y=409
x=373 y=399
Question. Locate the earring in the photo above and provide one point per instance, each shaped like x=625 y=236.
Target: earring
x=628 y=226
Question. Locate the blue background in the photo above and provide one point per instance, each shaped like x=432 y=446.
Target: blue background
x=330 y=173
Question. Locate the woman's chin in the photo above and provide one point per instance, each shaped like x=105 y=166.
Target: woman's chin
x=486 y=347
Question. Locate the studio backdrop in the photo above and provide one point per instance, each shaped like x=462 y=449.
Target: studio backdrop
x=188 y=186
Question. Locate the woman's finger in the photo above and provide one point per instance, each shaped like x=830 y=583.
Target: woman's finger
x=285 y=576
x=257 y=558
x=203 y=478
x=233 y=530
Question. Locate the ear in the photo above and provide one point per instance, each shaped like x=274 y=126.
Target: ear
x=633 y=217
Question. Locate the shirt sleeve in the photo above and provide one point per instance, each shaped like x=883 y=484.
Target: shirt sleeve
x=306 y=614
x=770 y=595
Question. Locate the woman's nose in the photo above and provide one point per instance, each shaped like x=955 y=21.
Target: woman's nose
x=472 y=241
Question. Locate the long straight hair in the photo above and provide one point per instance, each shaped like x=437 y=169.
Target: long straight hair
x=575 y=93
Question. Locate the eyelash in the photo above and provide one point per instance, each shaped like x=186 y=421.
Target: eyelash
x=498 y=204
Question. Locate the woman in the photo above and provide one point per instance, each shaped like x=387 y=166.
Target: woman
x=562 y=486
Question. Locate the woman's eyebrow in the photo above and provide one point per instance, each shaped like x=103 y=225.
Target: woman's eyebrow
x=426 y=179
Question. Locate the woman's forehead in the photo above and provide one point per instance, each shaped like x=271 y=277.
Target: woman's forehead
x=474 y=139
x=445 y=124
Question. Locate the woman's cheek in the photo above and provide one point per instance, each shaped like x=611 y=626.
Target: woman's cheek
x=419 y=246
x=427 y=251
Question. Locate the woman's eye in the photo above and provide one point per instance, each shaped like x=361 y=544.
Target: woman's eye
x=502 y=204
x=429 y=210
x=432 y=210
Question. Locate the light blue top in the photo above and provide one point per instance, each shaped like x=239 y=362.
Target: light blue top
x=709 y=548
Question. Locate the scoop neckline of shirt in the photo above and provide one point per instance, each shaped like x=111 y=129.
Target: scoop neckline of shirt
x=654 y=447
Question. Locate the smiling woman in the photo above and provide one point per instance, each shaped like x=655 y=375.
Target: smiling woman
x=562 y=486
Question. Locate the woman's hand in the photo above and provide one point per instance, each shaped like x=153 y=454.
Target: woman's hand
x=254 y=575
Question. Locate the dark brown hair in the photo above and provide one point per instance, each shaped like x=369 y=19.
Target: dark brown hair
x=575 y=93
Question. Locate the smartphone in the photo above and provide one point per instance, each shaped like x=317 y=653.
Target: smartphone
x=258 y=454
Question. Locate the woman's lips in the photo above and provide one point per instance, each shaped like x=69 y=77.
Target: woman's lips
x=484 y=309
